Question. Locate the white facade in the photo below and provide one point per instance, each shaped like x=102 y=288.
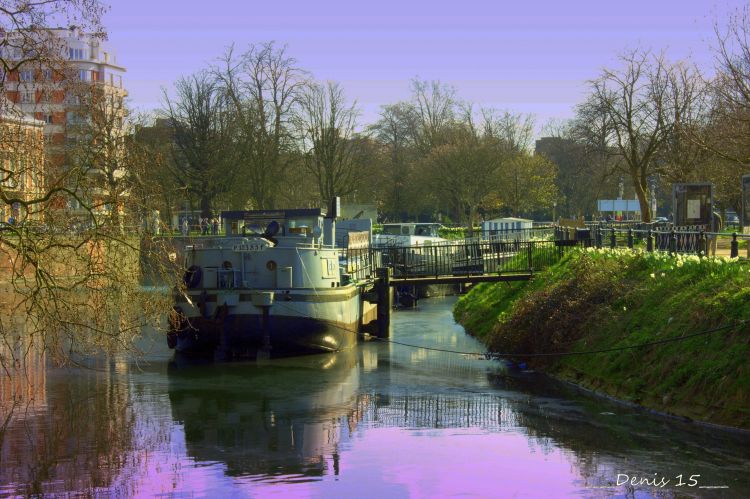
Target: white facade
x=76 y=70
x=505 y=226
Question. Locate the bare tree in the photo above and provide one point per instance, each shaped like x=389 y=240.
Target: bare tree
x=513 y=130
x=730 y=115
x=639 y=116
x=395 y=132
x=434 y=106
x=466 y=169
x=325 y=125
x=685 y=156
x=204 y=138
x=74 y=280
x=263 y=85
x=25 y=38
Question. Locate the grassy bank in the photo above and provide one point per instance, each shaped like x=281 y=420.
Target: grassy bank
x=604 y=299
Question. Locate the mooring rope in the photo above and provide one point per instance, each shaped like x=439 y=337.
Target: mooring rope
x=495 y=355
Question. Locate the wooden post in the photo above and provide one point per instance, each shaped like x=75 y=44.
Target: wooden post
x=735 y=247
x=385 y=301
x=630 y=238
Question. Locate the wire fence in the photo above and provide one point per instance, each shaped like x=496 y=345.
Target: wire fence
x=693 y=239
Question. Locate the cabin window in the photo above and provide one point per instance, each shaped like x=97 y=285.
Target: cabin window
x=404 y=231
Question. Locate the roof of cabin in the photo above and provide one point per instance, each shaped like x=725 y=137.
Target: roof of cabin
x=280 y=214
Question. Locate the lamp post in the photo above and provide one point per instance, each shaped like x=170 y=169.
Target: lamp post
x=554 y=211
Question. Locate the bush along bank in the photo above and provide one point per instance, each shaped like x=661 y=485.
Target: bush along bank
x=602 y=299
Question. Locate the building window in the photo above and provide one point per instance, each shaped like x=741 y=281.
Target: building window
x=27 y=97
x=26 y=75
x=82 y=74
x=75 y=54
x=48 y=119
x=47 y=74
x=10 y=174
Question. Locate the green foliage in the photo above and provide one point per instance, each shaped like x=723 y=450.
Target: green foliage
x=599 y=299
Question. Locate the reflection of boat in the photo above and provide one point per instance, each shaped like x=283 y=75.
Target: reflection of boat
x=284 y=417
x=272 y=283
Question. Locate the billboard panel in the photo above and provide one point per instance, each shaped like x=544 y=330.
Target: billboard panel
x=692 y=204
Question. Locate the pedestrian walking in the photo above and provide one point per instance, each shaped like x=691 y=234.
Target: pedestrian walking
x=185 y=227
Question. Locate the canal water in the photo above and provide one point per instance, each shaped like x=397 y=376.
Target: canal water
x=382 y=420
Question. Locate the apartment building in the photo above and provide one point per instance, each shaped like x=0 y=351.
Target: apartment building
x=21 y=161
x=78 y=76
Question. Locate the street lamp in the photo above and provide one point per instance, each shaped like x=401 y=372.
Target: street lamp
x=554 y=211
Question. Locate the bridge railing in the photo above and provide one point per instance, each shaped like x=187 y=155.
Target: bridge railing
x=458 y=258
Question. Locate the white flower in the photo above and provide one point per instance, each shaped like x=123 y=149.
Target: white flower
x=653 y=276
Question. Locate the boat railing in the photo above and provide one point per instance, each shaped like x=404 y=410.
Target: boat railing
x=360 y=263
x=229 y=279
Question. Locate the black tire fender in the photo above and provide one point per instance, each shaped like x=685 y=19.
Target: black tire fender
x=193 y=276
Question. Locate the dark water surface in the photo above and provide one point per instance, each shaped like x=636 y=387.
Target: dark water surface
x=382 y=420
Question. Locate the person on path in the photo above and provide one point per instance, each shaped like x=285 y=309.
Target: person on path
x=185 y=227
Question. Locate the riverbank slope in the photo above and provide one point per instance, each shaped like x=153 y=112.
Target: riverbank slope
x=610 y=299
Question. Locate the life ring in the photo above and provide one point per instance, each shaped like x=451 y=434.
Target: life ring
x=193 y=276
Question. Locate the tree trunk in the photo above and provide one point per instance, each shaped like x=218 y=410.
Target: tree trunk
x=205 y=206
x=640 y=191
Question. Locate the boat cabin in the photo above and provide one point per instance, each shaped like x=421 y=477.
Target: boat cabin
x=412 y=229
x=267 y=249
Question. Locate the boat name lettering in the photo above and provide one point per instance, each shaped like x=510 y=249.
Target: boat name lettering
x=259 y=245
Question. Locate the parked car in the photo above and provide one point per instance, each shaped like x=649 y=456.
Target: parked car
x=661 y=219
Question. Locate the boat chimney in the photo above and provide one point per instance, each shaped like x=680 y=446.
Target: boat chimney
x=329 y=223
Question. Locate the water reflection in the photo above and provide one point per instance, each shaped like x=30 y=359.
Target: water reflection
x=75 y=441
x=381 y=420
x=283 y=418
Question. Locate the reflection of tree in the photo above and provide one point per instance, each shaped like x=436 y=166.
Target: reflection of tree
x=78 y=441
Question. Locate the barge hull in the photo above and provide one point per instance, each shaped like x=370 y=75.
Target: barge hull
x=244 y=335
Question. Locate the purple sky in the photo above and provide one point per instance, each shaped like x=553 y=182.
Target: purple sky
x=530 y=56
